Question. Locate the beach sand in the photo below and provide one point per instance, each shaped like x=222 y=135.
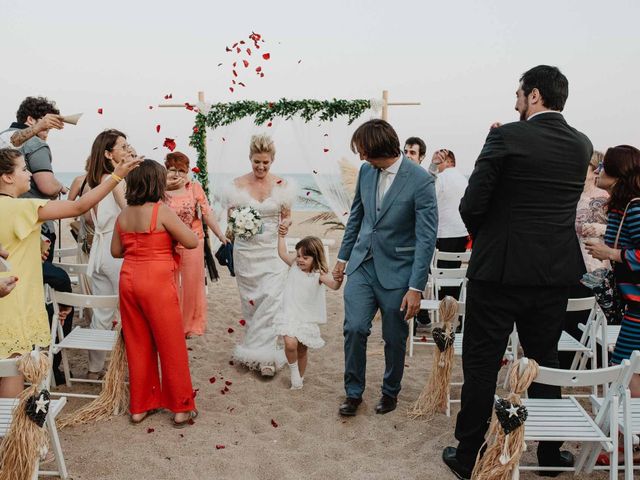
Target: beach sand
x=310 y=441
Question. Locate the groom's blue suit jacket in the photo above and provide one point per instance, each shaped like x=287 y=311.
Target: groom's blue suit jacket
x=402 y=236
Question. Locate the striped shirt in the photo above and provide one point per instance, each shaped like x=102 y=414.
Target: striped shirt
x=627 y=272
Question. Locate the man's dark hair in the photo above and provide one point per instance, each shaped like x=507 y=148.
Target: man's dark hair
x=35 y=107
x=146 y=183
x=422 y=147
x=375 y=139
x=550 y=82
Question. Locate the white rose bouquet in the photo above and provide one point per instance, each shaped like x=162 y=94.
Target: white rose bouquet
x=245 y=222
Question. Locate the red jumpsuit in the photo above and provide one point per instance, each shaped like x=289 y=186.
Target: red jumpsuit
x=152 y=322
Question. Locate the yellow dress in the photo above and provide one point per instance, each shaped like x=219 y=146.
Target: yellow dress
x=23 y=317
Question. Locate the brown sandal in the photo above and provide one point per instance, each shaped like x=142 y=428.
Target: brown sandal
x=192 y=414
x=148 y=413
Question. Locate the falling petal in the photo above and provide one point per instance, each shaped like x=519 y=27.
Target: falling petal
x=195 y=130
x=234 y=64
x=170 y=143
x=227 y=49
x=261 y=75
x=325 y=150
x=219 y=447
x=195 y=170
x=308 y=193
x=99 y=111
x=315 y=171
x=273 y=423
x=423 y=339
x=231 y=89
x=223 y=392
x=248 y=51
x=233 y=81
x=228 y=383
x=150 y=107
x=212 y=380
x=158 y=128
x=235 y=74
x=234 y=45
x=223 y=139
x=326 y=134
x=194 y=394
x=258 y=69
x=252 y=303
x=226 y=389
x=231 y=362
x=266 y=56
x=299 y=61
x=279 y=182
x=220 y=64
x=245 y=63
x=238 y=50
x=241 y=84
x=230 y=330
x=242 y=322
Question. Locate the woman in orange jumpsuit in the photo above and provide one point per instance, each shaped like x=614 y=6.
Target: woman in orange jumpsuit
x=151 y=320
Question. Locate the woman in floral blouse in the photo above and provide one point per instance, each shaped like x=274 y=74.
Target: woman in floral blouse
x=188 y=200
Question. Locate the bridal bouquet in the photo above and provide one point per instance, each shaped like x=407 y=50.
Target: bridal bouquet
x=245 y=222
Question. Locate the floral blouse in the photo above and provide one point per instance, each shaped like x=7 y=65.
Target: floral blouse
x=592 y=210
x=186 y=205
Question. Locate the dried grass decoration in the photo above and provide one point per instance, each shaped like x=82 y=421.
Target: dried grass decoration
x=114 y=397
x=505 y=440
x=435 y=394
x=27 y=438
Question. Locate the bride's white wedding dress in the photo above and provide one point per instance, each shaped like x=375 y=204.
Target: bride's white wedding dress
x=260 y=275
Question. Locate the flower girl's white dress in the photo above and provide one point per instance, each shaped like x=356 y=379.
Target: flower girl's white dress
x=304 y=307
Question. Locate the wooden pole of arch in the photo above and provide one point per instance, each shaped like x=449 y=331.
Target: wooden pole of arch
x=386 y=104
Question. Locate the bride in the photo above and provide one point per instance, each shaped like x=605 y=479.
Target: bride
x=260 y=273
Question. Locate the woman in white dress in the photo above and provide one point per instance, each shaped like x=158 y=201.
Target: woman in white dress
x=109 y=149
x=260 y=273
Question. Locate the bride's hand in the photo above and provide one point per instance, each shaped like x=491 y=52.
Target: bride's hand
x=283 y=228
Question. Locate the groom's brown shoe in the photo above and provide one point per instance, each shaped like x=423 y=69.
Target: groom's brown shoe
x=350 y=406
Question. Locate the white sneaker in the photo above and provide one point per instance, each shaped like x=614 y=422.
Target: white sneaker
x=297 y=386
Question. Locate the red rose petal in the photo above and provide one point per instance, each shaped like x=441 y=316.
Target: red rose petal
x=223 y=392
x=158 y=128
x=151 y=430
x=279 y=182
x=234 y=64
x=170 y=143
x=266 y=56
x=223 y=139
x=423 y=339
x=270 y=104
x=299 y=61
x=219 y=447
x=234 y=45
x=241 y=84
x=226 y=389
x=242 y=322
x=100 y=111
x=212 y=380
x=258 y=69
x=195 y=130
x=308 y=193
x=181 y=435
x=273 y=423
x=150 y=107
x=325 y=150
x=114 y=323
x=231 y=362
x=233 y=81
x=228 y=383
x=245 y=63
x=251 y=302
x=242 y=42
x=227 y=49
x=261 y=75
x=238 y=49
x=248 y=51
x=194 y=394
x=315 y=171
x=188 y=106
x=235 y=74
x=269 y=124
x=220 y=64
x=231 y=89
x=230 y=330
x=195 y=170
x=326 y=135
x=190 y=349
x=191 y=421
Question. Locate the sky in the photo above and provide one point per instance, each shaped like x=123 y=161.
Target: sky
x=461 y=60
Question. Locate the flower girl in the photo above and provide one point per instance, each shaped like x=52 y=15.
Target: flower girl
x=303 y=305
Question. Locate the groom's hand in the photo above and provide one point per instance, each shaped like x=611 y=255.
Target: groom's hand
x=338 y=271
x=411 y=304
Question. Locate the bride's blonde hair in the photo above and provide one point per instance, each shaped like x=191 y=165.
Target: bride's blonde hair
x=262 y=144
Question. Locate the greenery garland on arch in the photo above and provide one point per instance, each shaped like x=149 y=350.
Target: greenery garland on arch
x=222 y=114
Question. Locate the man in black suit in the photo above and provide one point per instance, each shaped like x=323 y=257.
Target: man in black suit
x=520 y=208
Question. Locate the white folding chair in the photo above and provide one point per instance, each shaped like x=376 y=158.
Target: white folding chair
x=448 y=277
x=628 y=416
x=61 y=253
x=9 y=368
x=601 y=330
x=81 y=338
x=432 y=306
x=565 y=420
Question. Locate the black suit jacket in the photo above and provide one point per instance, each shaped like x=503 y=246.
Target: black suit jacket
x=520 y=205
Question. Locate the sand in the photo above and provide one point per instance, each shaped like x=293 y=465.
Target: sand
x=310 y=441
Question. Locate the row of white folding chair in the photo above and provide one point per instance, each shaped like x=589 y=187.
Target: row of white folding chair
x=463 y=257
x=9 y=368
x=80 y=338
x=431 y=306
x=628 y=416
x=565 y=420
x=599 y=330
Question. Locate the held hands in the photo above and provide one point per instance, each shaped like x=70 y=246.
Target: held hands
x=411 y=304
x=338 y=271
x=283 y=228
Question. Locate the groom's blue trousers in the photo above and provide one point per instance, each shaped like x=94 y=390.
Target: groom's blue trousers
x=363 y=295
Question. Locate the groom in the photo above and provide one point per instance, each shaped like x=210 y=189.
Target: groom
x=388 y=244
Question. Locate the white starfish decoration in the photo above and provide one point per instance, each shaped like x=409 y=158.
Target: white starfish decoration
x=41 y=404
x=513 y=411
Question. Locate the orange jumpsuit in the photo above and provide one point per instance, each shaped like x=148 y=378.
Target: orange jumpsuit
x=152 y=322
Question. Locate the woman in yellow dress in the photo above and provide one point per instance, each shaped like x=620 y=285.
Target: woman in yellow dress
x=23 y=318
